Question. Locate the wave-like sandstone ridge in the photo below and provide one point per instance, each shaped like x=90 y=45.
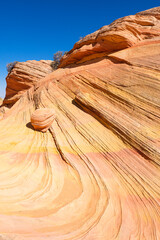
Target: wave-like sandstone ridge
x=95 y=173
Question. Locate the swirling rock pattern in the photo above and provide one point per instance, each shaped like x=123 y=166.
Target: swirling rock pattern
x=42 y=119
x=96 y=174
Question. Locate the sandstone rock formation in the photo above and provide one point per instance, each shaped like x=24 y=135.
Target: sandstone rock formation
x=122 y=33
x=23 y=76
x=42 y=119
x=96 y=174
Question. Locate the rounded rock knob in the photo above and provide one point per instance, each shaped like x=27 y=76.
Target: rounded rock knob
x=42 y=119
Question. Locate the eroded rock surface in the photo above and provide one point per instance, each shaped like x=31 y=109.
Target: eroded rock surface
x=122 y=33
x=95 y=174
x=23 y=76
x=42 y=119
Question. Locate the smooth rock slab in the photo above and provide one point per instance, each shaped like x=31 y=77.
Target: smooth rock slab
x=42 y=119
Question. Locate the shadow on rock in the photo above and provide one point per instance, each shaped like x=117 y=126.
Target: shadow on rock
x=29 y=125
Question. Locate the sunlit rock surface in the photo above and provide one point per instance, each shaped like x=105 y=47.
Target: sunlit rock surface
x=122 y=33
x=42 y=119
x=23 y=76
x=95 y=175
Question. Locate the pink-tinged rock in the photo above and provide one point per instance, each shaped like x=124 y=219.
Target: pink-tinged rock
x=23 y=76
x=95 y=174
x=120 y=34
x=42 y=119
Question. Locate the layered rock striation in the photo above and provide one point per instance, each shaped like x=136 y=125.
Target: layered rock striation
x=95 y=174
x=122 y=33
x=23 y=76
x=42 y=119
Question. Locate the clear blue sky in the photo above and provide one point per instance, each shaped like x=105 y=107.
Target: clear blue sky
x=35 y=29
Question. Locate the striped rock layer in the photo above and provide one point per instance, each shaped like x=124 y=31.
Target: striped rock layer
x=42 y=119
x=95 y=175
x=23 y=76
x=122 y=33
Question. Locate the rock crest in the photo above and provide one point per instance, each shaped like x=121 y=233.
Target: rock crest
x=122 y=33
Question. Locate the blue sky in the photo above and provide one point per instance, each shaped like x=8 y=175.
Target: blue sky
x=36 y=29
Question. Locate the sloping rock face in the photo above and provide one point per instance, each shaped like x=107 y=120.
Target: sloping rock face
x=95 y=174
x=122 y=33
x=23 y=76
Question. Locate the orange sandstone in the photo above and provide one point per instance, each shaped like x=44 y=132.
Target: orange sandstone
x=23 y=76
x=42 y=119
x=122 y=33
x=95 y=174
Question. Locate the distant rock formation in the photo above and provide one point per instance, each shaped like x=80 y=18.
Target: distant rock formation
x=122 y=33
x=95 y=175
x=23 y=76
